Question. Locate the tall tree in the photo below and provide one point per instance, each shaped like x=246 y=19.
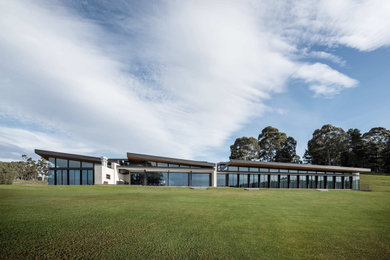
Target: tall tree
x=245 y=148
x=386 y=157
x=354 y=155
x=375 y=142
x=287 y=153
x=327 y=145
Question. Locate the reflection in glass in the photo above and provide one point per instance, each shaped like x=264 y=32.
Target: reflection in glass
x=274 y=181
x=321 y=182
x=52 y=162
x=84 y=177
x=254 y=180
x=51 y=177
x=263 y=181
x=74 y=164
x=232 y=180
x=137 y=178
x=302 y=182
x=339 y=183
x=283 y=181
x=243 y=180
x=178 y=179
x=221 y=179
x=59 y=177
x=64 y=177
x=61 y=163
x=293 y=181
x=356 y=182
x=90 y=177
x=201 y=179
x=329 y=182
x=347 y=182
x=312 y=182
x=157 y=178
x=86 y=165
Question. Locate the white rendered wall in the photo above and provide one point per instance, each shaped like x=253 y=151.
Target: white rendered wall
x=101 y=173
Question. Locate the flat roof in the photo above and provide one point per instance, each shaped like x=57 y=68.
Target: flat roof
x=69 y=156
x=146 y=157
x=295 y=166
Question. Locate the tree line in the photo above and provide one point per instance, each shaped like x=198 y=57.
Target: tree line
x=27 y=169
x=329 y=145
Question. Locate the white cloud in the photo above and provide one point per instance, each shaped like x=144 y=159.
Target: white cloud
x=177 y=79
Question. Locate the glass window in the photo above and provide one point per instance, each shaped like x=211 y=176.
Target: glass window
x=201 y=179
x=233 y=169
x=61 y=163
x=232 y=180
x=293 y=171
x=254 y=180
x=339 y=183
x=184 y=166
x=356 y=182
x=244 y=180
x=273 y=170
x=263 y=181
x=90 y=177
x=137 y=178
x=160 y=164
x=84 y=177
x=312 y=182
x=74 y=164
x=51 y=177
x=178 y=179
x=243 y=169
x=52 y=162
x=283 y=181
x=347 y=182
x=74 y=177
x=64 y=177
x=274 y=181
x=86 y=165
x=320 y=172
x=329 y=182
x=253 y=169
x=173 y=165
x=300 y=171
x=302 y=182
x=264 y=169
x=71 y=177
x=311 y=172
x=321 y=182
x=59 y=177
x=152 y=164
x=221 y=179
x=293 y=181
x=283 y=170
x=157 y=178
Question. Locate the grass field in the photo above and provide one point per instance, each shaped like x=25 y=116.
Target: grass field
x=40 y=221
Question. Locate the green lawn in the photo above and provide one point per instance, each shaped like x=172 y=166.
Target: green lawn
x=40 y=221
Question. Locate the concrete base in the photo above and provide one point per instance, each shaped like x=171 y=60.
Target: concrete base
x=322 y=189
x=252 y=189
x=199 y=188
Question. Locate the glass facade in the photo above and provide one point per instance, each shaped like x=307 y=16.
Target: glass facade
x=356 y=182
x=201 y=179
x=274 y=182
x=244 y=180
x=347 y=183
x=302 y=181
x=70 y=172
x=221 y=179
x=329 y=182
x=312 y=182
x=178 y=179
x=254 y=180
x=232 y=180
x=339 y=183
x=157 y=178
x=293 y=181
x=321 y=182
x=264 y=181
x=283 y=181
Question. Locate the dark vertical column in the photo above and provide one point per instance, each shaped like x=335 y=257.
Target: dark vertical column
x=145 y=178
x=269 y=180
x=248 y=178
x=189 y=179
x=279 y=181
x=307 y=181
x=55 y=171
x=168 y=178
x=238 y=180
x=288 y=181
x=227 y=180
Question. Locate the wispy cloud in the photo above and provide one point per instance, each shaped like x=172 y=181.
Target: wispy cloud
x=174 y=78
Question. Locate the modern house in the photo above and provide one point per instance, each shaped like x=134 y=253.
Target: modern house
x=142 y=169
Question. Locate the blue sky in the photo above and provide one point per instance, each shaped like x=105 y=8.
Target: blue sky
x=185 y=78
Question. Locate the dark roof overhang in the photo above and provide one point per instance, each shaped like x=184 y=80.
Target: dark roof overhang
x=46 y=154
x=146 y=157
x=295 y=166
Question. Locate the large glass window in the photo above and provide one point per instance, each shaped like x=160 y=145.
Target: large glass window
x=253 y=169
x=157 y=178
x=339 y=183
x=329 y=182
x=233 y=168
x=51 y=177
x=347 y=182
x=90 y=177
x=74 y=164
x=302 y=182
x=356 y=182
x=200 y=179
x=64 y=177
x=59 y=177
x=84 y=177
x=61 y=163
x=52 y=162
x=312 y=182
x=137 y=178
x=86 y=165
x=243 y=169
x=263 y=181
x=274 y=181
x=293 y=181
x=321 y=182
x=254 y=180
x=221 y=179
x=263 y=169
x=163 y=165
x=232 y=180
x=243 y=180
x=283 y=181
x=178 y=179
x=273 y=170
x=283 y=170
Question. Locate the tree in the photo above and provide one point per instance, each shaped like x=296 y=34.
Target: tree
x=245 y=148
x=30 y=168
x=7 y=172
x=375 y=142
x=327 y=145
x=354 y=155
x=287 y=153
x=276 y=146
x=386 y=157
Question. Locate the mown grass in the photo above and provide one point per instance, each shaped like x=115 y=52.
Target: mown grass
x=164 y=223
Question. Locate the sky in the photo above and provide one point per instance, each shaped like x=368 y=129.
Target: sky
x=186 y=78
